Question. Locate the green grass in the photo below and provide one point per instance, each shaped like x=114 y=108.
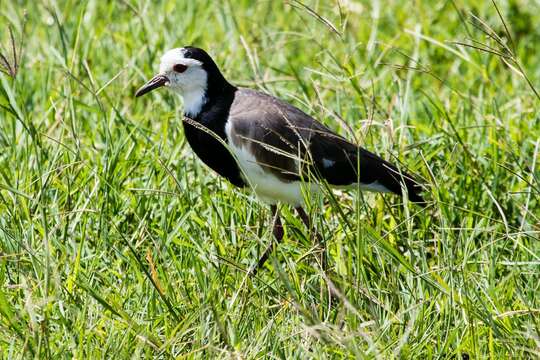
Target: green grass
x=117 y=242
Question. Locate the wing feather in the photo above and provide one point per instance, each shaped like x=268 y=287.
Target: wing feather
x=293 y=146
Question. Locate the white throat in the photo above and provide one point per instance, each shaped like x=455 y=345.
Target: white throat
x=191 y=83
x=194 y=100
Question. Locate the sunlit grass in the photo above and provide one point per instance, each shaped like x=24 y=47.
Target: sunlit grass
x=116 y=241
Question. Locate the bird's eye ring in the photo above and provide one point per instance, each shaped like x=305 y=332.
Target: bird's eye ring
x=179 y=68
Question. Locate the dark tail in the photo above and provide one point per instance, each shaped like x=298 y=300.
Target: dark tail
x=392 y=178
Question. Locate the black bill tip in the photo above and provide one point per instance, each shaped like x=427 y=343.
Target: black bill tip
x=154 y=83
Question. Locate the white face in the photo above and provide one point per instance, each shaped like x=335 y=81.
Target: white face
x=185 y=75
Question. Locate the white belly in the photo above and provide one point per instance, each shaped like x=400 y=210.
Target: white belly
x=266 y=185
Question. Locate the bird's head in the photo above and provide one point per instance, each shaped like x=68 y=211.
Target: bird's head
x=187 y=71
x=181 y=70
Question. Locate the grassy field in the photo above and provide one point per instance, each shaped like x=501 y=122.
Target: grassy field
x=117 y=242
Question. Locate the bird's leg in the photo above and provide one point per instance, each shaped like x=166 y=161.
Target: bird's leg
x=332 y=295
x=278 y=234
x=307 y=221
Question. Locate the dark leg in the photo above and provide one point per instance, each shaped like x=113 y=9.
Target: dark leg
x=307 y=221
x=278 y=234
x=332 y=295
x=304 y=216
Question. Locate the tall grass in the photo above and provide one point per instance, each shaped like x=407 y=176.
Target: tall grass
x=115 y=240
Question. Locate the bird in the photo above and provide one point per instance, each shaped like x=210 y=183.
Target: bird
x=258 y=141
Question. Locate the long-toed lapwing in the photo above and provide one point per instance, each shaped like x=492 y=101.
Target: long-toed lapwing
x=256 y=140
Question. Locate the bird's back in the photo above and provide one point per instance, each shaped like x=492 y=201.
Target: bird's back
x=292 y=146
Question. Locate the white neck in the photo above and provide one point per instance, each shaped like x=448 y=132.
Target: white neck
x=194 y=100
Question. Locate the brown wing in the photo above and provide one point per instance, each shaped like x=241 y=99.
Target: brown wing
x=293 y=146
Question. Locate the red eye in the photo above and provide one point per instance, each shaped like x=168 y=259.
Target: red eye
x=179 y=68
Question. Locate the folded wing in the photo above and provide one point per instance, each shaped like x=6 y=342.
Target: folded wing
x=293 y=146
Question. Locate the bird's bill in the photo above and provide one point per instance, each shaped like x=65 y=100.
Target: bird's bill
x=154 y=83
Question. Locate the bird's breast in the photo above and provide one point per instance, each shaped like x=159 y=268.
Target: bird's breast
x=207 y=143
